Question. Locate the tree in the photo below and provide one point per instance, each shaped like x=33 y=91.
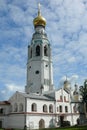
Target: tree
x=83 y=92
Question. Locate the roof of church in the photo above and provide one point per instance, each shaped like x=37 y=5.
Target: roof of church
x=4 y=103
x=37 y=96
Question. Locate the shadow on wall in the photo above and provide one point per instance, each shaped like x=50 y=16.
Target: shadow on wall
x=52 y=123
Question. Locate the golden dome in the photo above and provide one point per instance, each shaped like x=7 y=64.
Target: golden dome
x=76 y=98
x=66 y=84
x=39 y=20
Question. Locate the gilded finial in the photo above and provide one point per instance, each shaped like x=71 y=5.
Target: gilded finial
x=39 y=20
x=39 y=10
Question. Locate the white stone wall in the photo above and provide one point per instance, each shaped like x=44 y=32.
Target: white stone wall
x=3 y=116
x=16 y=121
x=71 y=115
x=33 y=120
x=18 y=99
x=45 y=76
x=40 y=104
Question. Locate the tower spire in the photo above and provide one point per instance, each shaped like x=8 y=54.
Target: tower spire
x=39 y=20
x=39 y=9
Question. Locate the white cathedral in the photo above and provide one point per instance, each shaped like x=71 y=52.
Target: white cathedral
x=40 y=106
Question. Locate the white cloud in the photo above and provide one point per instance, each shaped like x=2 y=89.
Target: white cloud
x=9 y=89
x=72 y=80
x=13 y=88
x=18 y=15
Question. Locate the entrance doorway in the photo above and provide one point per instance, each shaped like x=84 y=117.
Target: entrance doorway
x=61 y=120
x=41 y=124
x=0 y=124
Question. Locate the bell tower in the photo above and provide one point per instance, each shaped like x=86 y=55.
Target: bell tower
x=39 y=64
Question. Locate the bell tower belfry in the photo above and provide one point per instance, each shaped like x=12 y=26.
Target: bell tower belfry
x=39 y=64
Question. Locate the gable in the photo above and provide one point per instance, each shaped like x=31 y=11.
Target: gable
x=16 y=97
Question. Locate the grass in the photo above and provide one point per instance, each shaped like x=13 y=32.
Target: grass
x=64 y=128
x=69 y=128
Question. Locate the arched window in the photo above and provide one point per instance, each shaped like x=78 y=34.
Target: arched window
x=44 y=108
x=51 y=108
x=60 y=108
x=34 y=107
x=15 y=107
x=1 y=110
x=31 y=53
x=21 y=107
x=41 y=124
x=45 y=51
x=37 y=50
x=61 y=98
x=64 y=98
x=66 y=109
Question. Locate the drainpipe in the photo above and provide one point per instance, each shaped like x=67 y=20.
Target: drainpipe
x=71 y=107
x=25 y=126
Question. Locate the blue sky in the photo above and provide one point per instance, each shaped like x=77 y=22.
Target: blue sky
x=67 y=32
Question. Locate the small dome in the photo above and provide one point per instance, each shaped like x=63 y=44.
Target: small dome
x=76 y=98
x=66 y=84
x=39 y=20
x=66 y=81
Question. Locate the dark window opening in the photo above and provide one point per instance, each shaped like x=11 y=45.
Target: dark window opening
x=61 y=98
x=51 y=108
x=37 y=72
x=64 y=99
x=38 y=51
x=46 y=65
x=45 y=51
x=66 y=109
x=34 y=107
x=60 y=108
x=1 y=111
x=31 y=53
x=45 y=108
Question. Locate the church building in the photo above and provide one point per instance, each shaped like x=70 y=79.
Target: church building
x=41 y=105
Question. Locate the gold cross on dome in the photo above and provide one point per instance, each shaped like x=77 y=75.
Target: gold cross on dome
x=39 y=10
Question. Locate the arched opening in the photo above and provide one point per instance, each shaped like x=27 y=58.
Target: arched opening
x=15 y=107
x=61 y=120
x=66 y=108
x=60 y=108
x=37 y=50
x=45 y=108
x=41 y=124
x=21 y=107
x=45 y=51
x=51 y=108
x=1 y=110
x=31 y=53
x=34 y=107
